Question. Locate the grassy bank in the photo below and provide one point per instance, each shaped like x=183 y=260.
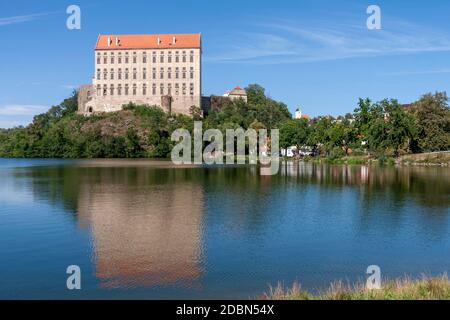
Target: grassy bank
x=434 y=158
x=423 y=159
x=401 y=289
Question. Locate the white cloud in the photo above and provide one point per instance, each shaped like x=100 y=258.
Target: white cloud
x=14 y=115
x=69 y=86
x=6 y=124
x=416 y=73
x=288 y=42
x=22 y=110
x=20 y=19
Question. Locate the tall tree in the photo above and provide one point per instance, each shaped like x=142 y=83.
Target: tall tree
x=432 y=115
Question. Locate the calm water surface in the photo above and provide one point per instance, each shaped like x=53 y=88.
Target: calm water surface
x=143 y=229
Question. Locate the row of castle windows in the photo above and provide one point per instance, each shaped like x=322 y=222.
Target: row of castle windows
x=162 y=90
x=144 y=73
x=134 y=57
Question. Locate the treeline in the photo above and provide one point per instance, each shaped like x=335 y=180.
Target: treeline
x=136 y=131
x=382 y=128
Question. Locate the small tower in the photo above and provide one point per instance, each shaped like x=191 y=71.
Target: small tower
x=298 y=113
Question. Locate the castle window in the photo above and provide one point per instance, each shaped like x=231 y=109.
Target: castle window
x=144 y=73
x=177 y=57
x=112 y=74
x=105 y=89
x=191 y=57
x=144 y=57
x=134 y=74
x=119 y=59
x=184 y=89
x=184 y=73
x=105 y=58
x=154 y=89
x=161 y=58
x=154 y=73
x=134 y=57
x=134 y=89
x=161 y=74
x=169 y=57
x=191 y=89
x=98 y=58
x=144 y=89
x=127 y=57
x=177 y=89
x=161 y=89
x=119 y=74
x=192 y=73
x=177 y=73
x=126 y=89
x=112 y=57
x=169 y=73
x=98 y=74
x=99 y=90
x=105 y=74
x=119 y=90
x=111 y=89
x=154 y=57
x=126 y=73
x=169 y=89
x=184 y=56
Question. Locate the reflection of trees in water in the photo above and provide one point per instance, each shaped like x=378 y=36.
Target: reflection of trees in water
x=147 y=223
x=427 y=186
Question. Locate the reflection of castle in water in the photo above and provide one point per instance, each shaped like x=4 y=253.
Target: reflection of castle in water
x=143 y=233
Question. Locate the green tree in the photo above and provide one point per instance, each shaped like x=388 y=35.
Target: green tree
x=293 y=133
x=432 y=116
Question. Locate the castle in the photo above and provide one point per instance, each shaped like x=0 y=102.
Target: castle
x=162 y=70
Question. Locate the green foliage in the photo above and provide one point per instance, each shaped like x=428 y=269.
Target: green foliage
x=433 y=123
x=293 y=133
x=404 y=288
x=383 y=129
x=270 y=113
x=390 y=127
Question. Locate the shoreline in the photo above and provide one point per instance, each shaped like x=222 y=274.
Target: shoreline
x=404 y=161
x=405 y=288
x=432 y=159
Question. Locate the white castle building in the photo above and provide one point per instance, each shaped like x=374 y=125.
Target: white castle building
x=163 y=70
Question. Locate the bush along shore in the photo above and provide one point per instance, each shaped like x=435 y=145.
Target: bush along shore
x=379 y=132
x=426 y=288
x=421 y=159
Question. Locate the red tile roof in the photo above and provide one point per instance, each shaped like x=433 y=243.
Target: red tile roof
x=148 y=41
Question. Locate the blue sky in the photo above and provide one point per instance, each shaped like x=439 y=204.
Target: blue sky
x=315 y=54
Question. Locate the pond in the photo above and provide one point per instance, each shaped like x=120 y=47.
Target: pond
x=148 y=229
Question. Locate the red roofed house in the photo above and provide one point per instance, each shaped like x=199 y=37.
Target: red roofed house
x=236 y=93
x=162 y=70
